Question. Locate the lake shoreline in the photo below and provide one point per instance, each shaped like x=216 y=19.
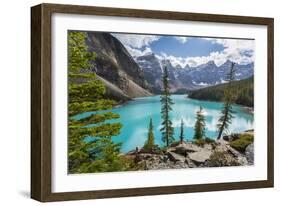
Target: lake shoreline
x=248 y=109
x=188 y=154
x=134 y=116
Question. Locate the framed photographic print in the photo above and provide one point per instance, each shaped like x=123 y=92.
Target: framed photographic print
x=132 y=102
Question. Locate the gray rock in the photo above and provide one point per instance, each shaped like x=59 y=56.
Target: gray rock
x=145 y=156
x=234 y=152
x=200 y=156
x=222 y=145
x=176 y=157
x=186 y=148
x=231 y=137
x=116 y=68
x=190 y=163
x=249 y=152
x=208 y=146
x=242 y=160
x=156 y=163
x=226 y=137
x=132 y=152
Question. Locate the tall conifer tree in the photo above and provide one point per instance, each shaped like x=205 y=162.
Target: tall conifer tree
x=149 y=144
x=86 y=94
x=167 y=102
x=181 y=131
x=200 y=124
x=229 y=99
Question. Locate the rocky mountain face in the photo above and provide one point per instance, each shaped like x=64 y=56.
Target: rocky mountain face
x=152 y=70
x=126 y=77
x=210 y=74
x=114 y=66
x=189 y=78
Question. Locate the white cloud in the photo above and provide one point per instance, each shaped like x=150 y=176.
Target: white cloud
x=238 y=51
x=182 y=40
x=138 y=52
x=174 y=60
x=137 y=44
x=136 y=40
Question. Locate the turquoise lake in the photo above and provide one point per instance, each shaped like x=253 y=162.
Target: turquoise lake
x=135 y=116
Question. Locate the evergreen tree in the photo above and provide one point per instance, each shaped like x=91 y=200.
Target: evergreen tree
x=229 y=99
x=200 y=124
x=86 y=94
x=149 y=144
x=181 y=132
x=166 y=101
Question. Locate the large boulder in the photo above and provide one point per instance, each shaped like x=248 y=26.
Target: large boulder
x=242 y=160
x=200 y=156
x=234 y=152
x=220 y=158
x=249 y=152
x=185 y=148
x=222 y=145
x=235 y=158
x=190 y=163
x=176 y=157
x=231 y=137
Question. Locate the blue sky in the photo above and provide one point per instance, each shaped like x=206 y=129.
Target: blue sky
x=193 y=51
x=192 y=47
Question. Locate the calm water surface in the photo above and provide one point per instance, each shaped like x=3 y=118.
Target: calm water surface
x=135 y=117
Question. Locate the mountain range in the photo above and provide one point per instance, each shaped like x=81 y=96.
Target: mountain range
x=189 y=78
x=126 y=77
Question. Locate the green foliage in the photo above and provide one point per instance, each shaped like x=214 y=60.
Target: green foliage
x=209 y=140
x=79 y=57
x=242 y=142
x=217 y=159
x=87 y=91
x=167 y=102
x=149 y=144
x=229 y=98
x=200 y=124
x=86 y=94
x=181 y=132
x=244 y=90
x=80 y=107
x=201 y=142
x=105 y=157
x=225 y=119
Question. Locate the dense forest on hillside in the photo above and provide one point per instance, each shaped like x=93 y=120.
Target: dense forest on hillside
x=244 y=92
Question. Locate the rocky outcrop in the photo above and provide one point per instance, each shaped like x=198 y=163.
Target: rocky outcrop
x=236 y=157
x=157 y=163
x=190 y=155
x=176 y=157
x=231 y=137
x=186 y=147
x=250 y=154
x=201 y=156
